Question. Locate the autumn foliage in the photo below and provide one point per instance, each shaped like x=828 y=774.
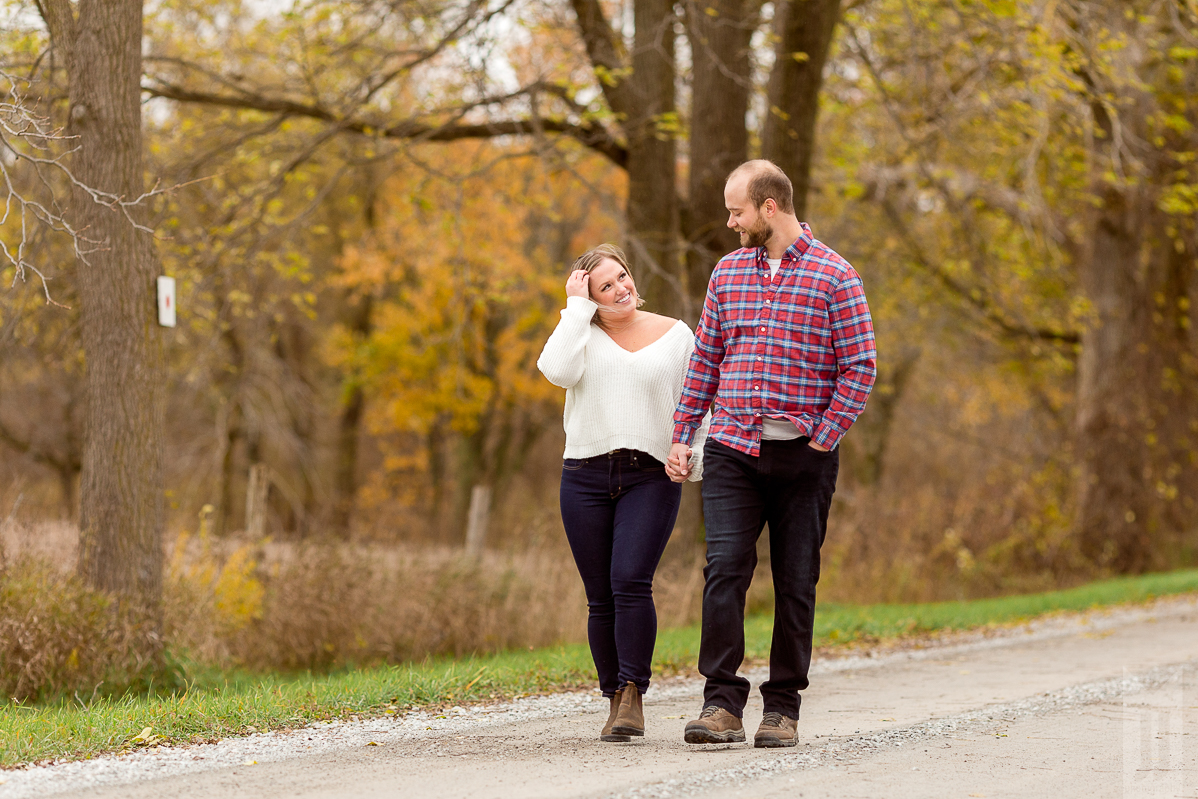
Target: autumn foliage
x=369 y=209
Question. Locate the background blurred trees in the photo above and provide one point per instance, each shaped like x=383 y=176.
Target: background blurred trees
x=373 y=204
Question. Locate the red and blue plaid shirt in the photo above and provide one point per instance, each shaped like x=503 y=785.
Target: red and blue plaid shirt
x=798 y=347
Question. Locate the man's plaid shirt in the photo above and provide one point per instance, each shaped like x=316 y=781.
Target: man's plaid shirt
x=797 y=347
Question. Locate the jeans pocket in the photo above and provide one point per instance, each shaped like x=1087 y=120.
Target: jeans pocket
x=572 y=464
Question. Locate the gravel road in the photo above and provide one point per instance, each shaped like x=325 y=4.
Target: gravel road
x=1101 y=704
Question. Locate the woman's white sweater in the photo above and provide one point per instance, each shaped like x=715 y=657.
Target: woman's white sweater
x=616 y=399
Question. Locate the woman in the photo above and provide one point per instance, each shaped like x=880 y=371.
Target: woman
x=622 y=369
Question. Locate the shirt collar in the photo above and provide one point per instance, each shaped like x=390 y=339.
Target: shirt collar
x=795 y=251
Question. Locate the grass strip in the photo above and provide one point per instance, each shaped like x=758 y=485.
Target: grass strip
x=246 y=703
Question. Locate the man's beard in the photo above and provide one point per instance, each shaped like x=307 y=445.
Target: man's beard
x=758 y=235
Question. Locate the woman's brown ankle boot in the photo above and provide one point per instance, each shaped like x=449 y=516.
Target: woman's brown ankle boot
x=630 y=716
x=607 y=734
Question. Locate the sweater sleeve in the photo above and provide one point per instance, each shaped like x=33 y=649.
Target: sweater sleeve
x=696 y=461
x=563 y=360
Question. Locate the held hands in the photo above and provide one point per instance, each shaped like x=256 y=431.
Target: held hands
x=579 y=284
x=678 y=463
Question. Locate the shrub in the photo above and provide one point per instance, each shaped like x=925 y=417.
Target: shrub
x=58 y=637
x=328 y=605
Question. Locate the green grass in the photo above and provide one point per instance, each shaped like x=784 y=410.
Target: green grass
x=214 y=709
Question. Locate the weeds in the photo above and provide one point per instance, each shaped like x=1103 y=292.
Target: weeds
x=58 y=637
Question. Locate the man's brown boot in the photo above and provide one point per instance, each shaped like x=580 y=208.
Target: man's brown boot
x=715 y=726
x=630 y=716
x=776 y=730
x=607 y=734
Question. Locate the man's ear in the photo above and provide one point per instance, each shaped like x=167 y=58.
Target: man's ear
x=769 y=207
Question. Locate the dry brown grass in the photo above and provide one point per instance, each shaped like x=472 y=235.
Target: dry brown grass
x=268 y=605
x=58 y=637
x=322 y=605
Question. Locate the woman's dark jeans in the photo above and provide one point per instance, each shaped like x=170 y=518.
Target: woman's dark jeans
x=619 y=510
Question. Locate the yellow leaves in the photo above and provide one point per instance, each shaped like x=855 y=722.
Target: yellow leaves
x=227 y=585
x=1180 y=199
x=612 y=77
x=465 y=276
x=144 y=738
x=238 y=593
x=668 y=125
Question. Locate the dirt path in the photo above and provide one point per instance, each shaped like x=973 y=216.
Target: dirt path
x=1100 y=705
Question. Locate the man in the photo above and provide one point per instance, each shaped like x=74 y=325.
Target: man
x=785 y=348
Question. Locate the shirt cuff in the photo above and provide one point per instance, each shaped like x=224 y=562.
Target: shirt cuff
x=827 y=435
x=683 y=433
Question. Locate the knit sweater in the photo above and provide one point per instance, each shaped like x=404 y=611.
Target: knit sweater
x=616 y=399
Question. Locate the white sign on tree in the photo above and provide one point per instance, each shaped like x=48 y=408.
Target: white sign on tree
x=166 y=301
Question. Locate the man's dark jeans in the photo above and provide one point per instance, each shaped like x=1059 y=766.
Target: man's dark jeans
x=789 y=486
x=619 y=510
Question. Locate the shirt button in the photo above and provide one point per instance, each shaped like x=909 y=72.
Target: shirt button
x=767 y=302
x=759 y=357
x=763 y=330
x=757 y=414
x=756 y=388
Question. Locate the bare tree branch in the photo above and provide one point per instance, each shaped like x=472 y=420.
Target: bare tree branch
x=30 y=140
x=974 y=296
x=590 y=134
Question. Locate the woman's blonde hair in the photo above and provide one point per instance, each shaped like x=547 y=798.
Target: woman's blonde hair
x=596 y=255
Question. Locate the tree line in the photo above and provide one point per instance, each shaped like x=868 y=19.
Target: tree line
x=370 y=204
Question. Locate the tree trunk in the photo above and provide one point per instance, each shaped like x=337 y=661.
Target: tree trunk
x=722 y=82
x=804 y=30
x=66 y=480
x=256 y=494
x=1111 y=417
x=645 y=101
x=652 y=154
x=229 y=423
x=121 y=491
x=348 y=429
x=1136 y=376
x=873 y=434
x=478 y=520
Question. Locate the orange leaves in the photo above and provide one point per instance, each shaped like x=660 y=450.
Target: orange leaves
x=466 y=274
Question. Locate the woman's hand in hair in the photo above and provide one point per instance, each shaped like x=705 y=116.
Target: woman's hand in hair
x=579 y=284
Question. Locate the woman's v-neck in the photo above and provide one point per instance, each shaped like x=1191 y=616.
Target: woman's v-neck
x=642 y=349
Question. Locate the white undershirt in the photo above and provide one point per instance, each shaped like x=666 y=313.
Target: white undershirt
x=777 y=429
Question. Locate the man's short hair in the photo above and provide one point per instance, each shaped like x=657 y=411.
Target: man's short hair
x=766 y=182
